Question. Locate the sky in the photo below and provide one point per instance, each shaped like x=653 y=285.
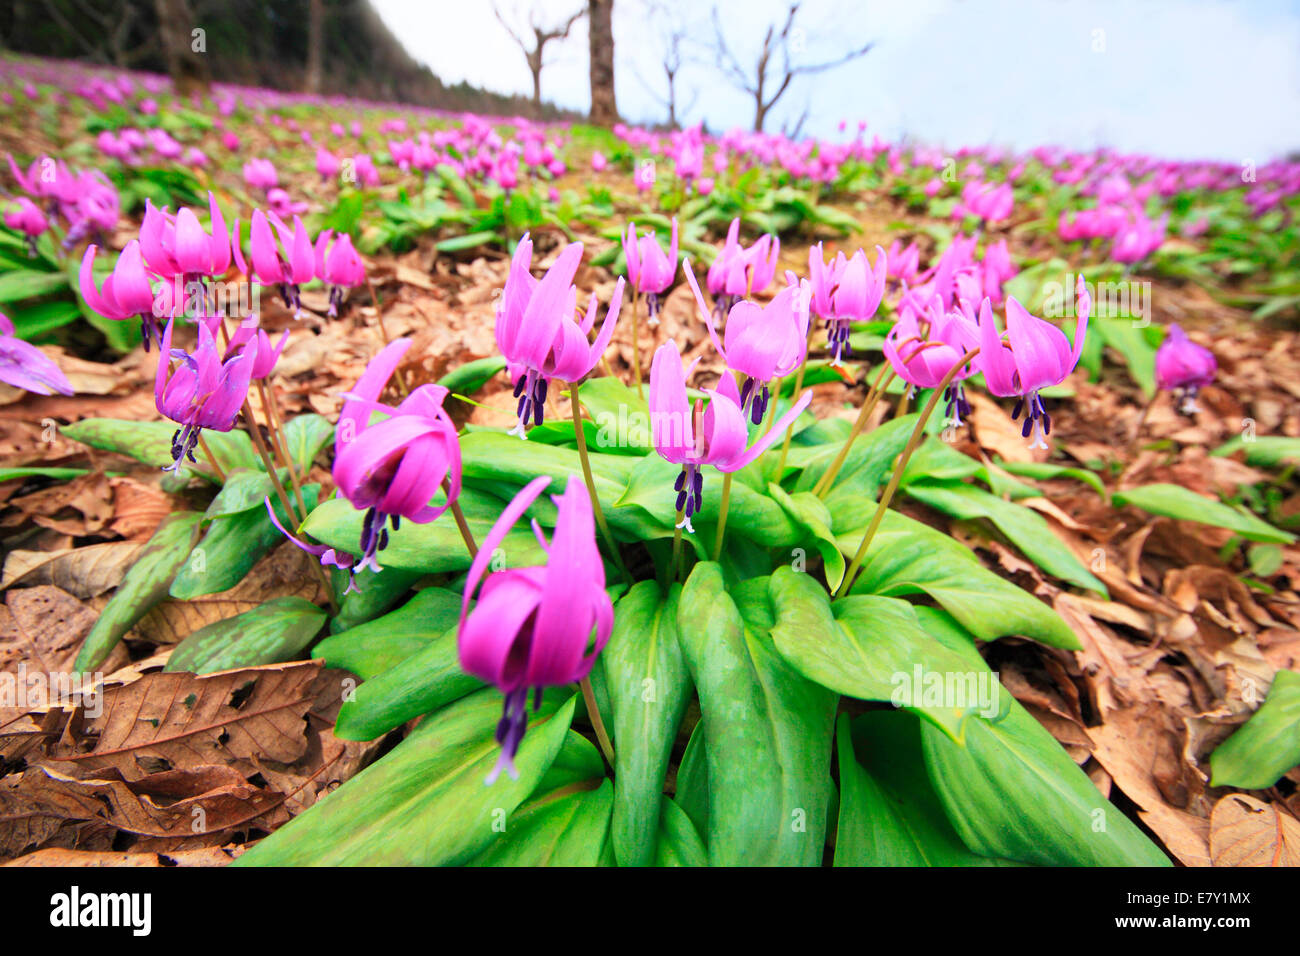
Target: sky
x=1197 y=79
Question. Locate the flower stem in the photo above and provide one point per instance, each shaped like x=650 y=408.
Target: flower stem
x=212 y=459
x=674 y=569
x=597 y=722
x=581 y=437
x=636 y=343
x=798 y=387
x=722 y=516
x=868 y=406
x=280 y=444
x=256 y=434
x=899 y=468
x=461 y=524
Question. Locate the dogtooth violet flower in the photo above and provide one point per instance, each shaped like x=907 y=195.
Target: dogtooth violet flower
x=1184 y=367
x=716 y=435
x=179 y=246
x=23 y=365
x=270 y=266
x=202 y=392
x=1037 y=355
x=762 y=343
x=532 y=627
x=393 y=469
x=922 y=349
x=338 y=265
x=649 y=270
x=847 y=291
x=537 y=333
x=328 y=556
x=738 y=272
x=127 y=291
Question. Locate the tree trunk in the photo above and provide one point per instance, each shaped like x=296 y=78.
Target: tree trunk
x=186 y=66
x=315 y=44
x=600 y=29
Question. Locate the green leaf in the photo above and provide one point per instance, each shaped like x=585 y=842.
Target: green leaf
x=1174 y=501
x=59 y=474
x=622 y=418
x=679 y=842
x=151 y=442
x=907 y=557
x=231 y=546
x=245 y=488
x=889 y=814
x=470 y=377
x=767 y=734
x=568 y=830
x=369 y=649
x=304 y=437
x=649 y=689
x=865 y=467
x=145 y=585
x=1133 y=348
x=1267 y=745
x=871 y=648
x=1044 y=470
x=470 y=240
x=435 y=547
x=1026 y=528
x=34 y=321
x=28 y=283
x=1264 y=451
x=378 y=593
x=426 y=802
x=276 y=631
x=1011 y=792
x=428 y=679
x=811 y=513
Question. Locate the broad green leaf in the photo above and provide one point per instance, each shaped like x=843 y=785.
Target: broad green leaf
x=1264 y=451
x=1012 y=793
x=231 y=546
x=470 y=377
x=1175 y=501
x=427 y=802
x=145 y=585
x=692 y=785
x=907 y=557
x=36 y=320
x=435 y=547
x=151 y=442
x=1026 y=528
x=621 y=417
x=1132 y=347
x=375 y=593
x=304 y=437
x=245 y=488
x=679 y=842
x=564 y=830
x=1267 y=745
x=767 y=733
x=649 y=689
x=1043 y=470
x=274 y=632
x=58 y=474
x=28 y=283
x=423 y=682
x=867 y=465
x=369 y=649
x=873 y=648
x=936 y=460
x=811 y=513
x=889 y=814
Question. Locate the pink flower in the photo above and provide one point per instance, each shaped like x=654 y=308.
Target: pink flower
x=598 y=161
x=923 y=356
x=338 y=265
x=1037 y=356
x=1185 y=367
x=531 y=626
x=714 y=436
x=24 y=366
x=327 y=164
x=396 y=467
x=202 y=392
x=127 y=292
x=649 y=270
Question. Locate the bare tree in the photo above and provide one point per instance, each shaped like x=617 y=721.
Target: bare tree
x=106 y=33
x=535 y=47
x=676 y=34
x=185 y=60
x=600 y=32
x=765 y=82
x=315 y=44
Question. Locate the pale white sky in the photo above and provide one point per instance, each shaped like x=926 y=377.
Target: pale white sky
x=1192 y=79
